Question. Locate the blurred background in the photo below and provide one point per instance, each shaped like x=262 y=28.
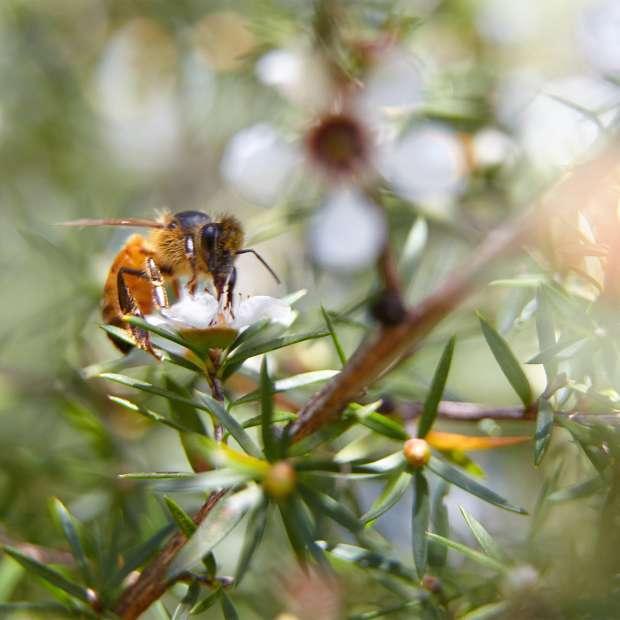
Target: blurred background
x=465 y=109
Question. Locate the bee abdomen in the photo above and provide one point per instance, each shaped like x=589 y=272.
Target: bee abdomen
x=132 y=256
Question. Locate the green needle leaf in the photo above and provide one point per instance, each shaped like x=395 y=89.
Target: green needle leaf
x=181 y=518
x=485 y=540
x=332 y=332
x=577 y=491
x=70 y=530
x=369 y=559
x=184 y=608
x=151 y=415
x=43 y=610
x=228 y=609
x=472 y=554
x=206 y=403
x=270 y=443
x=222 y=519
x=290 y=383
x=455 y=476
x=206 y=602
x=429 y=413
x=48 y=574
x=420 y=519
x=492 y=611
x=507 y=361
x=412 y=250
x=544 y=428
x=231 y=425
x=234 y=361
x=324 y=504
x=257 y=524
x=393 y=491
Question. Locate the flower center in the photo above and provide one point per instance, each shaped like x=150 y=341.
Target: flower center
x=338 y=143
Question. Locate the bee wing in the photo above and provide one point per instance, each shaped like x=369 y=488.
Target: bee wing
x=114 y=222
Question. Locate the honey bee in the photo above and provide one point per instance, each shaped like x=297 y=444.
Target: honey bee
x=185 y=244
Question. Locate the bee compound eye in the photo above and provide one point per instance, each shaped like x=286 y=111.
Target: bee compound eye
x=209 y=236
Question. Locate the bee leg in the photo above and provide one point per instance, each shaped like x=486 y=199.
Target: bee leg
x=158 y=289
x=176 y=288
x=128 y=305
x=190 y=255
x=230 y=290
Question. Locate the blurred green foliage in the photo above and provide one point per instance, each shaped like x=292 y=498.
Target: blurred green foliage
x=93 y=127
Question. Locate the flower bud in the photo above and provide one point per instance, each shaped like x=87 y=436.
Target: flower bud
x=431 y=584
x=417 y=452
x=388 y=309
x=280 y=480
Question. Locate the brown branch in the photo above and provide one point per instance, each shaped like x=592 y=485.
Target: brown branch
x=383 y=349
x=154 y=580
x=467 y=412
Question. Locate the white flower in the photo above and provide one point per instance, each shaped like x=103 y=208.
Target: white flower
x=259 y=162
x=554 y=131
x=203 y=311
x=508 y=22
x=348 y=232
x=298 y=74
x=395 y=82
x=598 y=34
x=427 y=164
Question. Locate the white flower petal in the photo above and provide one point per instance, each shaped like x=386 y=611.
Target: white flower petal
x=426 y=165
x=491 y=147
x=553 y=133
x=394 y=82
x=348 y=232
x=259 y=163
x=514 y=93
x=260 y=307
x=197 y=311
x=300 y=75
x=509 y=22
x=598 y=34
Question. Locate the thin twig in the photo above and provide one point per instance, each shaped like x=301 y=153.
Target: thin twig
x=467 y=412
x=154 y=580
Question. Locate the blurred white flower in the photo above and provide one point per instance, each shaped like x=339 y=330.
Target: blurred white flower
x=598 y=34
x=491 y=147
x=299 y=75
x=393 y=82
x=203 y=310
x=136 y=97
x=508 y=22
x=555 y=129
x=347 y=123
x=259 y=162
x=349 y=143
x=515 y=92
x=427 y=164
x=348 y=232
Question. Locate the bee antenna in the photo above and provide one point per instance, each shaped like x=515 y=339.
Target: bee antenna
x=262 y=260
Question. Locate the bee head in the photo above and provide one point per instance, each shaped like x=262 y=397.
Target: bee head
x=219 y=244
